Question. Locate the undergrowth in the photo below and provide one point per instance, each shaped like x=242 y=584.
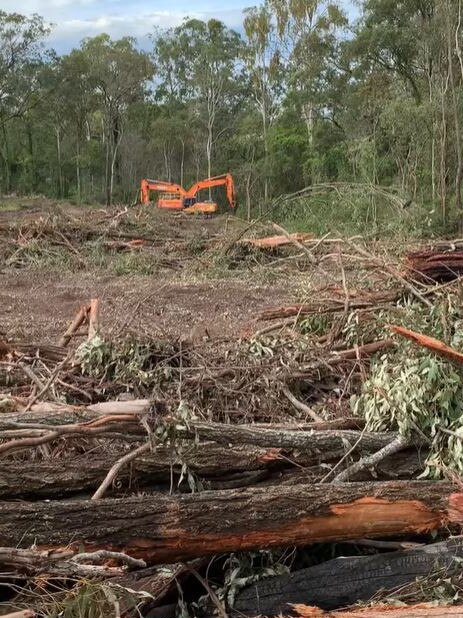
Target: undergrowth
x=351 y=211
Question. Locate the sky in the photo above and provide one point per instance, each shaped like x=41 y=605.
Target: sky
x=75 y=19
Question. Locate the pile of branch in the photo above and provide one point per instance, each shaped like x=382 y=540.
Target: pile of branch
x=334 y=300
x=108 y=489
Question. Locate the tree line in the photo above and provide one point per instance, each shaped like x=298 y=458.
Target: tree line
x=303 y=95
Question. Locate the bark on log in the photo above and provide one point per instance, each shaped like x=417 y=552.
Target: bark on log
x=53 y=478
x=320 y=443
x=345 y=581
x=61 y=414
x=163 y=528
x=218 y=467
x=323 y=445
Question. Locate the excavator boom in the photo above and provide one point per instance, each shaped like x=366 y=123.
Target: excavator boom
x=217 y=181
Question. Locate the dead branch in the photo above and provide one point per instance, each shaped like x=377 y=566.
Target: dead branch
x=117 y=466
x=79 y=319
x=436 y=346
x=302 y=407
x=398 y=444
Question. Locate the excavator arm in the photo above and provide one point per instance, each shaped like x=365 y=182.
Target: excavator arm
x=147 y=185
x=217 y=181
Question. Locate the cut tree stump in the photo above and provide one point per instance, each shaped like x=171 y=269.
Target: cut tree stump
x=345 y=581
x=164 y=528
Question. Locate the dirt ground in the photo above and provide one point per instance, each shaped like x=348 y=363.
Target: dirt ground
x=37 y=306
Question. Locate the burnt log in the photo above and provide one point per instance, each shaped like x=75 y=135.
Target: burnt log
x=344 y=581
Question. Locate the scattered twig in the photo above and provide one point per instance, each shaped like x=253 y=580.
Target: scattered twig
x=214 y=598
x=49 y=382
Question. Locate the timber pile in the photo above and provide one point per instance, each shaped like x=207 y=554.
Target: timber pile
x=135 y=465
x=444 y=263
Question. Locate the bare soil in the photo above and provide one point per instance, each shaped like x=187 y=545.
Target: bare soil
x=37 y=306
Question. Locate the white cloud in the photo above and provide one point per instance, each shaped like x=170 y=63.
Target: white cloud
x=74 y=20
x=68 y=33
x=42 y=7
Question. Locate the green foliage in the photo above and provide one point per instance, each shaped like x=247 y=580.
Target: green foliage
x=409 y=392
x=413 y=391
x=127 y=361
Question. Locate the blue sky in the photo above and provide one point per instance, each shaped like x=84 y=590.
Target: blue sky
x=76 y=19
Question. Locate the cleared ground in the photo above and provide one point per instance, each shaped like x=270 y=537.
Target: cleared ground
x=38 y=297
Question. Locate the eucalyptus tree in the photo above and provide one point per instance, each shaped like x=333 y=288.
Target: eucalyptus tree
x=119 y=74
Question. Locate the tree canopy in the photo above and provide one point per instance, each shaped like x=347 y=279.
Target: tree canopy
x=301 y=96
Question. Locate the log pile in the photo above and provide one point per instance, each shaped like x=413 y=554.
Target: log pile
x=443 y=263
x=138 y=488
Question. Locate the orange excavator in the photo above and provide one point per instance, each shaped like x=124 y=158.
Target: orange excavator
x=175 y=197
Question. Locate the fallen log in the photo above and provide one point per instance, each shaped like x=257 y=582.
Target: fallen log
x=330 y=305
x=170 y=528
x=422 y=610
x=271 y=242
x=62 y=414
x=214 y=466
x=76 y=474
x=323 y=444
x=430 y=343
x=430 y=265
x=345 y=581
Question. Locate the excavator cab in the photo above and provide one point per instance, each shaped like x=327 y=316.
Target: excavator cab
x=171 y=201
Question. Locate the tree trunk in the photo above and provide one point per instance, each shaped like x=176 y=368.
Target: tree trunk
x=210 y=128
x=7 y=159
x=78 y=178
x=31 y=154
x=456 y=118
x=182 y=162
x=116 y=140
x=345 y=581
x=163 y=528
x=60 y=167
